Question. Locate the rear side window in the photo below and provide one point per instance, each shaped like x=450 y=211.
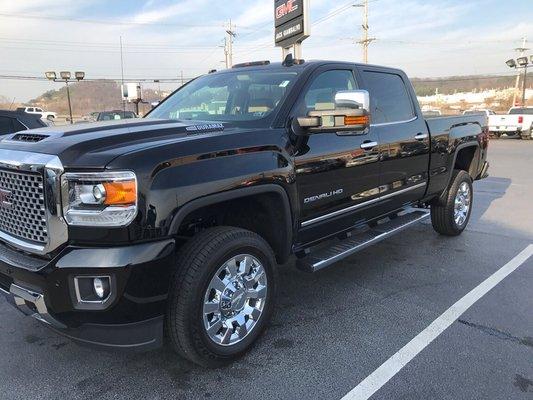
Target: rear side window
x=389 y=98
x=6 y=126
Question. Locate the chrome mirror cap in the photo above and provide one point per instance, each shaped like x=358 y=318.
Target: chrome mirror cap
x=359 y=99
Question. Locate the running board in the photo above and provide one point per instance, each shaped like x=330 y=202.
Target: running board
x=323 y=258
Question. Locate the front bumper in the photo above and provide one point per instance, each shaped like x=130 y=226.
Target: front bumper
x=132 y=320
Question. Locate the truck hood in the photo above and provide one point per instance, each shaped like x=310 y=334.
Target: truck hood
x=95 y=145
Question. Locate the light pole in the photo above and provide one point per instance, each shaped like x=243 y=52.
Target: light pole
x=521 y=63
x=64 y=76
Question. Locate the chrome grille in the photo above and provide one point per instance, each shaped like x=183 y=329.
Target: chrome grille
x=22 y=206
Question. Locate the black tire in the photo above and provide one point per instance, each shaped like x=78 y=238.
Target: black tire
x=50 y=118
x=196 y=264
x=442 y=215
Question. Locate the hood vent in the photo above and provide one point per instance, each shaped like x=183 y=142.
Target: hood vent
x=28 y=137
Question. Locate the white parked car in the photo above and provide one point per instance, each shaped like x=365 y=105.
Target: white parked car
x=47 y=115
x=518 y=122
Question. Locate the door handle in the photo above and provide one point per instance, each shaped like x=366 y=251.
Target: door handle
x=421 y=136
x=368 y=145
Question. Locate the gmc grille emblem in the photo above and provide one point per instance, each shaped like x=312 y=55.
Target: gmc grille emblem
x=5 y=198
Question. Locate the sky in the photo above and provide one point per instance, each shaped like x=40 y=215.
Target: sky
x=163 y=38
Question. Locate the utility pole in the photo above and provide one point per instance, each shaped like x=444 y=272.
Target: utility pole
x=228 y=47
x=522 y=50
x=366 y=40
x=122 y=77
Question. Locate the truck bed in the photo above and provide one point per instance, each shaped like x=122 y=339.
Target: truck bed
x=441 y=125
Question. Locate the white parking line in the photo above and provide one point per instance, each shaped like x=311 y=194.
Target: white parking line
x=393 y=365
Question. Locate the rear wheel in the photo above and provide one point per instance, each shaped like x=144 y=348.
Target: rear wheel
x=222 y=295
x=451 y=218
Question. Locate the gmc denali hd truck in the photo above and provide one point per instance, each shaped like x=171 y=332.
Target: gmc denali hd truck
x=124 y=234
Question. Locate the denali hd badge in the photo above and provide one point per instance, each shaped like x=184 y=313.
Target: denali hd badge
x=322 y=196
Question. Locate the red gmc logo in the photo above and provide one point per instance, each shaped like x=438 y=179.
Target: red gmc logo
x=286 y=8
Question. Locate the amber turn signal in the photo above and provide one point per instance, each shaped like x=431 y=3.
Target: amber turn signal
x=120 y=193
x=360 y=120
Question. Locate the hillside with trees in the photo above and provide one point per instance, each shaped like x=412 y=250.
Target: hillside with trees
x=90 y=96
x=454 y=84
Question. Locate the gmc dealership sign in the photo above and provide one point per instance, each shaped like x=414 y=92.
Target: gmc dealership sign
x=292 y=22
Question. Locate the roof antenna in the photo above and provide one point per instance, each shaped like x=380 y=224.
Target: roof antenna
x=289 y=60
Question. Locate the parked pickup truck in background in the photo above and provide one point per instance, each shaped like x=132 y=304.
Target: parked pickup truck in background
x=50 y=116
x=518 y=122
x=116 y=232
x=16 y=121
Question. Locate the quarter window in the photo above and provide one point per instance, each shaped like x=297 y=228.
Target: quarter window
x=389 y=98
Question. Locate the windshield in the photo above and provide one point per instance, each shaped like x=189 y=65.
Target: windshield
x=523 y=111
x=237 y=97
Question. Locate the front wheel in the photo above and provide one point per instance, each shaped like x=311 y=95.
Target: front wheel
x=451 y=217
x=221 y=296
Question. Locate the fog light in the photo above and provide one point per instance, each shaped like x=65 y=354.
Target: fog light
x=93 y=289
x=99 y=287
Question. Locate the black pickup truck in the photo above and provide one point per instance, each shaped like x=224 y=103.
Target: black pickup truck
x=120 y=234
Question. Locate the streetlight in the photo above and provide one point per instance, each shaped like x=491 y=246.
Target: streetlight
x=521 y=63
x=64 y=76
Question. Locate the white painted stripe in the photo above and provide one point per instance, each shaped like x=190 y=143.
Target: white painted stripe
x=393 y=365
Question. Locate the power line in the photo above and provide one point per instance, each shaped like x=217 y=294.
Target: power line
x=110 y=79
x=103 y=21
x=116 y=21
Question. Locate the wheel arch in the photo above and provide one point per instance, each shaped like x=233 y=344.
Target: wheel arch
x=466 y=157
x=280 y=238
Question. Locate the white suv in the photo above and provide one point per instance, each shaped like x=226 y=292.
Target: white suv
x=50 y=116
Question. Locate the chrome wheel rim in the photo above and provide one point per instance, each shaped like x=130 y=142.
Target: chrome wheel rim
x=463 y=200
x=234 y=300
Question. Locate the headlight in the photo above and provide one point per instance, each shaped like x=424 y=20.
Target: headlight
x=99 y=198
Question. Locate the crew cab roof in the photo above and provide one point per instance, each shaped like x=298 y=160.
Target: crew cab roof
x=306 y=65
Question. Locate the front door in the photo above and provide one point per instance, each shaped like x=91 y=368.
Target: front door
x=337 y=174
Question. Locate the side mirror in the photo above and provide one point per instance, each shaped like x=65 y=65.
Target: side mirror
x=351 y=114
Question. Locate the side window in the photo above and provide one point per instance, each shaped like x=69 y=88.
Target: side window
x=321 y=94
x=389 y=98
x=6 y=126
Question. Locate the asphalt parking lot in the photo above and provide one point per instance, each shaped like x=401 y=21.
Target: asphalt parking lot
x=335 y=328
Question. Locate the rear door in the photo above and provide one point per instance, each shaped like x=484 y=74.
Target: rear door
x=336 y=178
x=404 y=142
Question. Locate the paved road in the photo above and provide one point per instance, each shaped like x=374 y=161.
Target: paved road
x=334 y=328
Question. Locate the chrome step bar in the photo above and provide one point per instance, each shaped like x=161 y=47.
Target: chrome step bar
x=345 y=248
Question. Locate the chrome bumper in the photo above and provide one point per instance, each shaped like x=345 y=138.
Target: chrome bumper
x=32 y=304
